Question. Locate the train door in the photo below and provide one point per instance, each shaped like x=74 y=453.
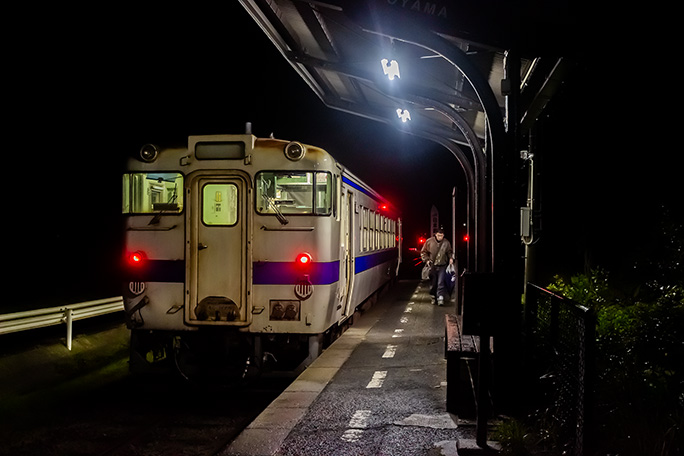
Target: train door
x=217 y=277
x=347 y=277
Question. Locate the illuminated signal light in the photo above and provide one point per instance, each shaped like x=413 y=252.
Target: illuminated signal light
x=384 y=207
x=466 y=238
x=421 y=240
x=136 y=258
x=303 y=259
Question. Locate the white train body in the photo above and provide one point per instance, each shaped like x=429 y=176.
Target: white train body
x=248 y=249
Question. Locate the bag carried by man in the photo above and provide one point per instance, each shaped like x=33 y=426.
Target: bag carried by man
x=425 y=273
x=450 y=278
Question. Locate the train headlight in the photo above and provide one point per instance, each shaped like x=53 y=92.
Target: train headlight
x=295 y=151
x=148 y=153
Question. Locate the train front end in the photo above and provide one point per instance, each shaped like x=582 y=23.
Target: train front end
x=231 y=254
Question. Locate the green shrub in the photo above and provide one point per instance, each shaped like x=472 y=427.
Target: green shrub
x=639 y=389
x=531 y=437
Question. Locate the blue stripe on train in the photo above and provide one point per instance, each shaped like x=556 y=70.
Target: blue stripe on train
x=156 y=271
x=366 y=262
x=284 y=273
x=356 y=186
x=264 y=273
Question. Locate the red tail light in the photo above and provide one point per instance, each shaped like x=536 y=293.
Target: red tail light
x=136 y=258
x=303 y=259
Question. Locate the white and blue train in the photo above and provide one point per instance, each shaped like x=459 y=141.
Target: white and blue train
x=244 y=254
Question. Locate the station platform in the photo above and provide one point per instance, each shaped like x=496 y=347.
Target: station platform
x=380 y=389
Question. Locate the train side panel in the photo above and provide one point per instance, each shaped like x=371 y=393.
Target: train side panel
x=374 y=245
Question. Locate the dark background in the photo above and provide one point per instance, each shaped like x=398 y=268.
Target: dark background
x=87 y=88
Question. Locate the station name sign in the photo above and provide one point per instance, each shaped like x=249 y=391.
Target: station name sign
x=495 y=23
x=427 y=7
x=476 y=20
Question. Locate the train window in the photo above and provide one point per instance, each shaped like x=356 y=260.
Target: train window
x=379 y=231
x=219 y=204
x=387 y=233
x=323 y=193
x=371 y=229
x=147 y=193
x=393 y=233
x=337 y=197
x=388 y=241
x=294 y=192
x=384 y=232
x=365 y=229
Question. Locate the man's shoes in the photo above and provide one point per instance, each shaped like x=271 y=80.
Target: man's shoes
x=440 y=301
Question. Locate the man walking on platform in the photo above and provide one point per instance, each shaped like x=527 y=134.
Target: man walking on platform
x=438 y=254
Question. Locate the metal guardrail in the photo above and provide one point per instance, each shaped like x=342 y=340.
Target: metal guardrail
x=67 y=314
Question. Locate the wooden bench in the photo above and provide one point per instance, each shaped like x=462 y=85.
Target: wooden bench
x=461 y=353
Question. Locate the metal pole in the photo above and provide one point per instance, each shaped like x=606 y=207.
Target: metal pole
x=453 y=220
x=455 y=247
x=484 y=380
x=69 y=320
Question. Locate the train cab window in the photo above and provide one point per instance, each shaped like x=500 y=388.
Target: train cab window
x=323 y=193
x=219 y=204
x=294 y=192
x=147 y=193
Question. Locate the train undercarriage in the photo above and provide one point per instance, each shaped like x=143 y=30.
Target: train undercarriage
x=221 y=355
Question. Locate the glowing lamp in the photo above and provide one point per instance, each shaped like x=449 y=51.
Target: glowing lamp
x=136 y=258
x=403 y=114
x=390 y=68
x=303 y=259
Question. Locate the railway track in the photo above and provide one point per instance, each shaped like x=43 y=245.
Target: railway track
x=137 y=417
x=108 y=412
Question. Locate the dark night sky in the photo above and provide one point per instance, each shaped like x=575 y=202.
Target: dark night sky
x=86 y=92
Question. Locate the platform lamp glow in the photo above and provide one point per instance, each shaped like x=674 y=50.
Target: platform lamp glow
x=390 y=68
x=404 y=115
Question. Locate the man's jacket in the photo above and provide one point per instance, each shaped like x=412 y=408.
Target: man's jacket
x=431 y=251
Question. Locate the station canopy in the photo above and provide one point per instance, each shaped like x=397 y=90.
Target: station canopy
x=414 y=63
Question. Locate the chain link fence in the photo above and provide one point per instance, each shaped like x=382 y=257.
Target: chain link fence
x=560 y=336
